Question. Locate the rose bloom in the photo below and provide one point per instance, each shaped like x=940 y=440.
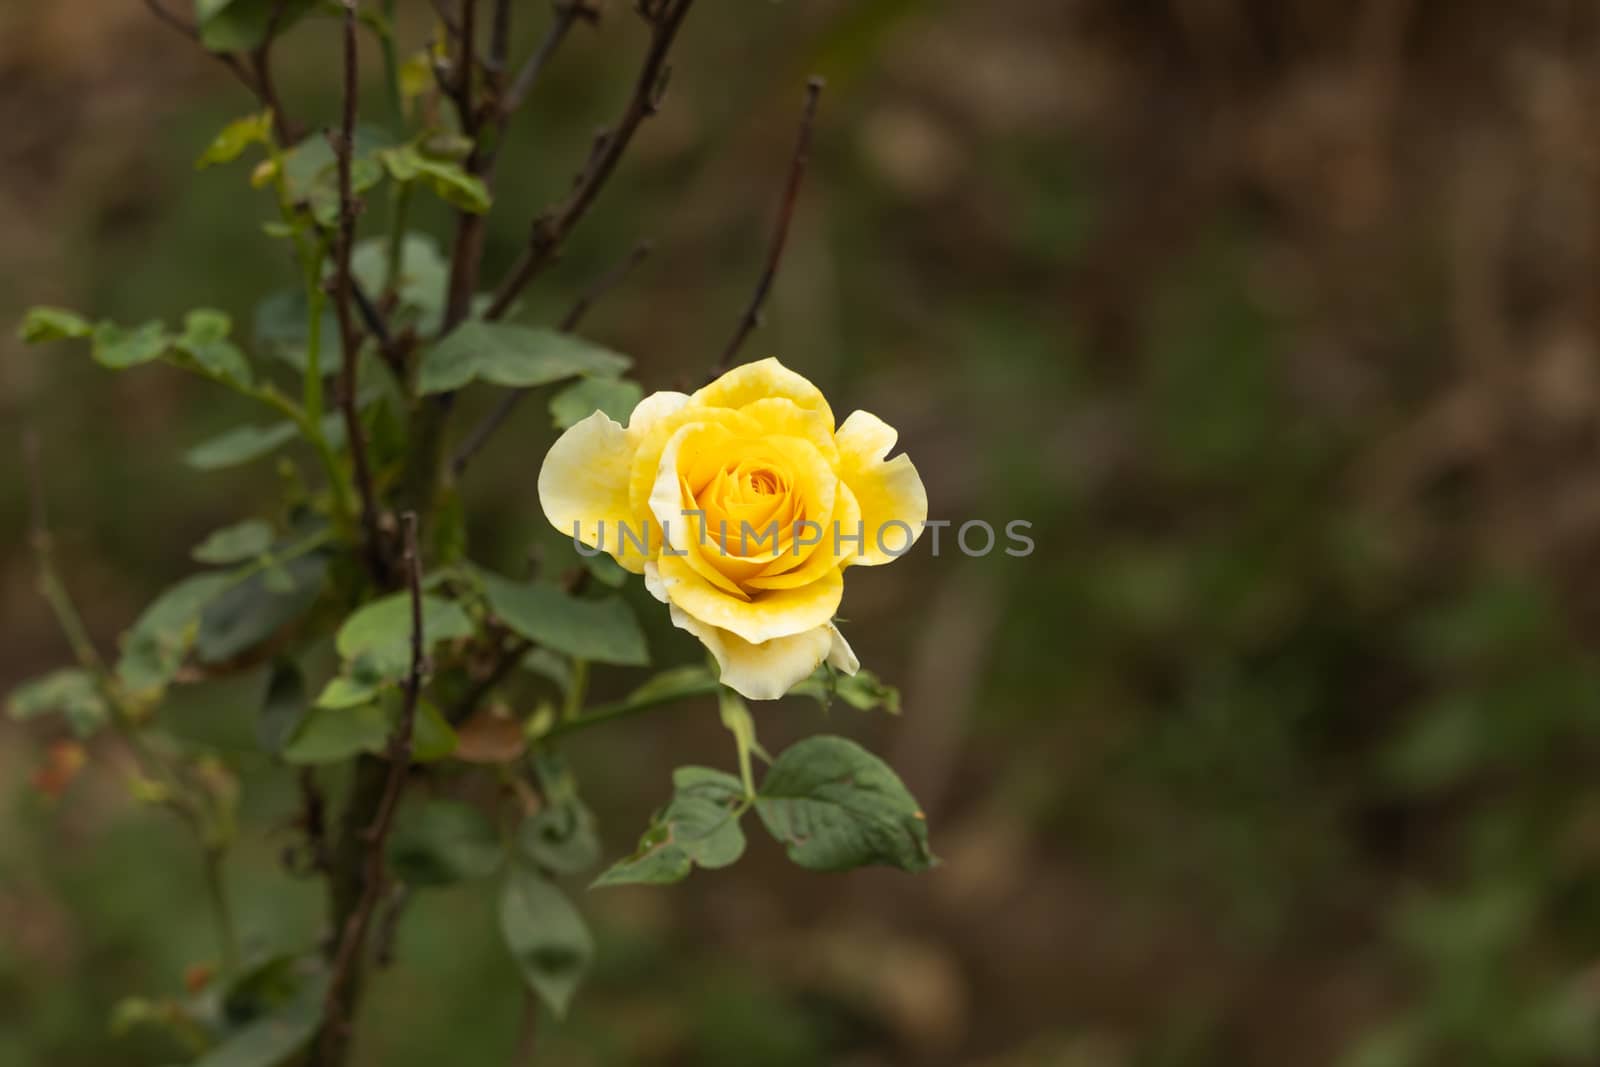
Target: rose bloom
x=742 y=505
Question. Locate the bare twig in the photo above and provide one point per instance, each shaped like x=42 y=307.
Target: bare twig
x=389 y=925
x=527 y=1031
x=551 y=228
x=353 y=934
x=495 y=419
x=343 y=284
x=266 y=86
x=780 y=234
x=466 y=252
x=567 y=13
x=257 y=80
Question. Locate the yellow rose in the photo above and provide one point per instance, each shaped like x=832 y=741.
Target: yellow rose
x=741 y=505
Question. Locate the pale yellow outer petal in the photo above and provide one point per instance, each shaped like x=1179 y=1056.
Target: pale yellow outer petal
x=583 y=487
x=769 y=614
x=890 y=494
x=651 y=410
x=782 y=416
x=759 y=381
x=765 y=671
x=841 y=657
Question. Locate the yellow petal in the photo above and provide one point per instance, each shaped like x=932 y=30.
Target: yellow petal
x=648 y=412
x=837 y=546
x=757 y=381
x=583 y=487
x=767 y=614
x=763 y=671
x=782 y=416
x=841 y=657
x=894 y=504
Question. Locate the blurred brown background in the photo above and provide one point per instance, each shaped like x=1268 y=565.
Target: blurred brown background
x=1276 y=318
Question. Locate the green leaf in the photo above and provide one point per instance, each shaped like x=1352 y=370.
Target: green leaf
x=449 y=181
x=231 y=544
x=72 y=692
x=561 y=838
x=284 y=708
x=272 y=1038
x=738 y=721
x=432 y=737
x=280 y=329
x=836 y=806
x=155 y=647
x=42 y=324
x=700 y=827
x=252 y=610
x=617 y=397
x=242 y=25
x=240 y=445
x=120 y=347
x=329 y=735
x=423 y=275
x=604 y=569
x=547 y=937
x=442 y=842
x=342 y=692
x=518 y=357
x=205 y=340
x=379 y=634
x=603 y=630
x=862 y=690
x=552 y=666
x=235 y=137
x=690 y=680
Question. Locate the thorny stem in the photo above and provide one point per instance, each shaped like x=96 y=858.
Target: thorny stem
x=188 y=809
x=552 y=228
x=370 y=843
x=495 y=419
x=780 y=234
x=349 y=336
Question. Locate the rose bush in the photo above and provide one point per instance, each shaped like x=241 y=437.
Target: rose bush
x=742 y=505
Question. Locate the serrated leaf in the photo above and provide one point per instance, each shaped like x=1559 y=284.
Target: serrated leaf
x=517 y=357
x=70 y=692
x=250 y=611
x=205 y=340
x=234 y=138
x=156 y=646
x=121 y=347
x=329 y=735
x=603 y=630
x=284 y=707
x=379 y=634
x=700 y=827
x=448 y=180
x=432 y=738
x=617 y=397
x=862 y=690
x=232 y=544
x=42 y=324
x=240 y=445
x=835 y=806
x=442 y=842
x=547 y=937
x=272 y=1038
x=242 y=25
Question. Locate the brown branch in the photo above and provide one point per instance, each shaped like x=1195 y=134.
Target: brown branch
x=258 y=81
x=780 y=234
x=266 y=87
x=466 y=251
x=345 y=967
x=567 y=14
x=495 y=419
x=552 y=227
x=343 y=284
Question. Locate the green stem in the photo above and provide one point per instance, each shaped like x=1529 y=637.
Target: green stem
x=391 y=62
x=399 y=213
x=222 y=910
x=623 y=709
